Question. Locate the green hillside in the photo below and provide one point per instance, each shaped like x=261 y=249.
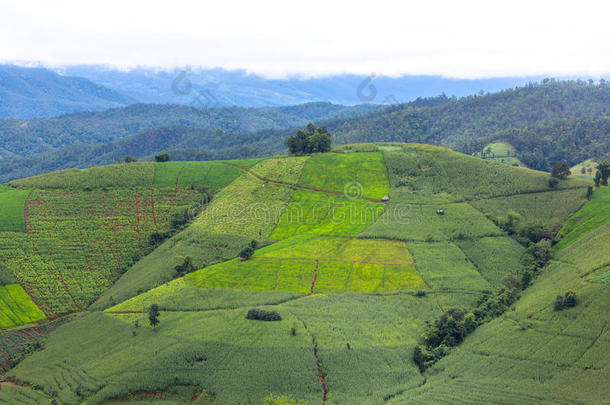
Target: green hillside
x=533 y=353
x=354 y=278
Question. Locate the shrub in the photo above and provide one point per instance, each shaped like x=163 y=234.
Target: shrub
x=246 y=253
x=570 y=299
x=153 y=315
x=185 y=268
x=553 y=182
x=558 y=305
x=420 y=293
x=263 y=315
x=162 y=157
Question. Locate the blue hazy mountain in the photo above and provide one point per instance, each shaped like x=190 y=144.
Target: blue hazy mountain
x=219 y=87
x=38 y=92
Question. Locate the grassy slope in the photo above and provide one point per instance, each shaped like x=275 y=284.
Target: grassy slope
x=241 y=212
x=534 y=354
x=85 y=227
x=360 y=343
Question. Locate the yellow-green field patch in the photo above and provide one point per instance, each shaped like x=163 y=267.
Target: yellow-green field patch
x=336 y=264
x=336 y=171
x=16 y=307
x=325 y=214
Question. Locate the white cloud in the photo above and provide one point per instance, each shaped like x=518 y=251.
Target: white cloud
x=277 y=38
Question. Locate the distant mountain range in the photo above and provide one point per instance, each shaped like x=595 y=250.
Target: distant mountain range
x=39 y=92
x=219 y=87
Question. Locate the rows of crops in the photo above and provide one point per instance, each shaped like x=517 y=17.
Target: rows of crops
x=337 y=172
x=12 y=204
x=535 y=354
x=119 y=175
x=212 y=175
x=351 y=341
x=79 y=242
x=422 y=222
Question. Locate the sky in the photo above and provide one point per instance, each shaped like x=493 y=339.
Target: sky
x=276 y=39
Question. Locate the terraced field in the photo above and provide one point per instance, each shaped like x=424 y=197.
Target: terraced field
x=534 y=354
x=355 y=281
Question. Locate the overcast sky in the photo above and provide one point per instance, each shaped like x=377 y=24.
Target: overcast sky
x=466 y=39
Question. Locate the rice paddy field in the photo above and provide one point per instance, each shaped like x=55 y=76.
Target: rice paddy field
x=355 y=281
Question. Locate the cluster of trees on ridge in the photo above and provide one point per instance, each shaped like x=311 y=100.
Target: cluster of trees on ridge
x=309 y=140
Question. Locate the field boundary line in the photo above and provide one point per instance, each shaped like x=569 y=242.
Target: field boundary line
x=524 y=193
x=314 y=342
x=227 y=308
x=332 y=260
x=595 y=340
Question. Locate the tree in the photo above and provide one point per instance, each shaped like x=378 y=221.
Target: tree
x=560 y=171
x=604 y=169
x=598 y=178
x=589 y=192
x=558 y=304
x=312 y=139
x=185 y=268
x=570 y=299
x=153 y=315
x=162 y=157
x=129 y=159
x=246 y=253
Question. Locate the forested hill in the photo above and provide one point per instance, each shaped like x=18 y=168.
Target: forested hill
x=546 y=123
x=463 y=123
x=37 y=92
x=27 y=137
x=540 y=146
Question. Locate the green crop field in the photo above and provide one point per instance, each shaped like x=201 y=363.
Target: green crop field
x=12 y=205
x=535 y=206
x=138 y=174
x=354 y=280
x=212 y=175
x=320 y=213
x=78 y=242
x=591 y=216
x=534 y=354
x=361 y=174
x=16 y=307
x=494 y=257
